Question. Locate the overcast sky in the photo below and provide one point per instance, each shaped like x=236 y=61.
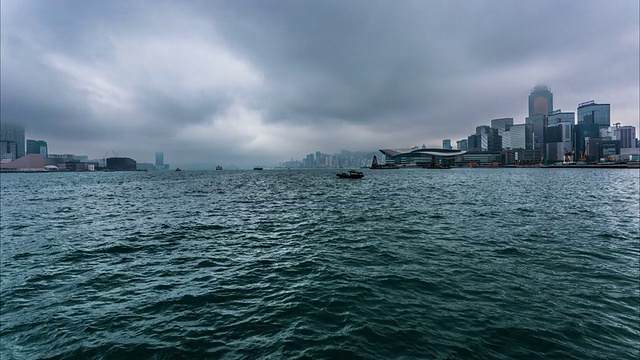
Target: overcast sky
x=259 y=82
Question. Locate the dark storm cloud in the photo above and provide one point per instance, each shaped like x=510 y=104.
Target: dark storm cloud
x=209 y=80
x=393 y=60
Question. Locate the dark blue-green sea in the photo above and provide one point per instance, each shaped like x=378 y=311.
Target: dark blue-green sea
x=288 y=264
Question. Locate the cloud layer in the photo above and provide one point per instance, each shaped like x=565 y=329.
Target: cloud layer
x=248 y=82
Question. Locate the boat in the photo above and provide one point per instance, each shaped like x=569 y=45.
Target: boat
x=258 y=168
x=352 y=174
x=178 y=169
x=218 y=167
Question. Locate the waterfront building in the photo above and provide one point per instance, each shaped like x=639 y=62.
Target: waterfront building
x=11 y=140
x=559 y=142
x=609 y=149
x=79 y=166
x=539 y=123
x=30 y=162
x=308 y=161
x=145 y=166
x=540 y=101
x=520 y=137
x=557 y=117
x=626 y=135
x=446 y=144
x=598 y=148
x=418 y=157
x=474 y=158
x=37 y=147
x=62 y=158
x=608 y=133
x=8 y=150
x=580 y=133
x=506 y=140
x=121 y=164
x=485 y=139
x=591 y=113
x=501 y=124
x=462 y=144
x=522 y=156
x=474 y=142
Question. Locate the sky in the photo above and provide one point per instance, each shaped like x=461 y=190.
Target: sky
x=245 y=83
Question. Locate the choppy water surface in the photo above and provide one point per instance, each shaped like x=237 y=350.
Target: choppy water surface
x=444 y=264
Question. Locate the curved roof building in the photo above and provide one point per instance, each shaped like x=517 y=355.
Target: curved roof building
x=419 y=156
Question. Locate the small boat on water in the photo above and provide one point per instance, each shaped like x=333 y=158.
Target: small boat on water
x=218 y=167
x=258 y=168
x=352 y=174
x=178 y=169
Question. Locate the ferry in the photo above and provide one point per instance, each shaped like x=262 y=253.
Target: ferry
x=352 y=174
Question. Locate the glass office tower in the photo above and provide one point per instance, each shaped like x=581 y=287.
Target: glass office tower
x=540 y=101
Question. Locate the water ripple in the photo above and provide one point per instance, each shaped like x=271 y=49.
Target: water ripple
x=459 y=264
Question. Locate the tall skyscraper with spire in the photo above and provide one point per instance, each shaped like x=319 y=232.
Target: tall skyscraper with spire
x=540 y=101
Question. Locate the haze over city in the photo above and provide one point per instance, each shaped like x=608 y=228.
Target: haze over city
x=260 y=82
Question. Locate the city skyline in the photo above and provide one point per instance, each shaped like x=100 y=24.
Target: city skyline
x=495 y=138
x=208 y=89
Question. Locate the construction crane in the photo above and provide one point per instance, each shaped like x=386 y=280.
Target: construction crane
x=583 y=157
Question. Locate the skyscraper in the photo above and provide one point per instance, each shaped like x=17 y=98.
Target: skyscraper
x=580 y=133
x=520 y=136
x=626 y=135
x=501 y=124
x=485 y=139
x=558 y=141
x=591 y=113
x=540 y=100
x=159 y=160
x=539 y=123
x=446 y=144
x=37 y=147
x=557 y=117
x=11 y=140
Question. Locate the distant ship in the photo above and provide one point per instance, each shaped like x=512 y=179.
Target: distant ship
x=218 y=167
x=178 y=169
x=258 y=168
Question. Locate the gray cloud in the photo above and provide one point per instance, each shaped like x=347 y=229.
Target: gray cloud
x=249 y=82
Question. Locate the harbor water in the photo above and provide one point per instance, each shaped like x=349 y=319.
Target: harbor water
x=435 y=264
